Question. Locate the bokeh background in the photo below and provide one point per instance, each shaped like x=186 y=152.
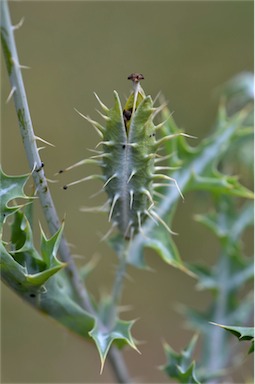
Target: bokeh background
x=185 y=50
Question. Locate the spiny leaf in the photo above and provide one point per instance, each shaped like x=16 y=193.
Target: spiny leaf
x=180 y=365
x=241 y=272
x=54 y=298
x=39 y=280
x=227 y=221
x=219 y=183
x=242 y=333
x=38 y=268
x=49 y=248
x=197 y=164
x=234 y=313
x=161 y=242
x=109 y=329
x=104 y=337
x=164 y=245
x=22 y=246
x=11 y=188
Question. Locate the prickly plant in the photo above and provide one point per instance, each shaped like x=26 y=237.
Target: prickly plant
x=129 y=160
x=49 y=279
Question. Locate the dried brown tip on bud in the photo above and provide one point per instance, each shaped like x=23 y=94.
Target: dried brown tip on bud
x=136 y=77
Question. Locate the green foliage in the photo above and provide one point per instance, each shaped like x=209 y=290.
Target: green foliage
x=128 y=173
x=228 y=221
x=108 y=329
x=22 y=266
x=224 y=280
x=198 y=170
x=38 y=277
x=242 y=333
x=12 y=187
x=39 y=267
x=35 y=276
x=180 y=366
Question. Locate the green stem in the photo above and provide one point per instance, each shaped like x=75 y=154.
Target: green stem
x=217 y=351
x=34 y=160
x=196 y=166
x=118 y=283
x=36 y=167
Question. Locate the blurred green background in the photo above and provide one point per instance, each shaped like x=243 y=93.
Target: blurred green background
x=185 y=50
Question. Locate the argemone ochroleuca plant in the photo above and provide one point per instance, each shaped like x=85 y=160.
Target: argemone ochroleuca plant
x=129 y=160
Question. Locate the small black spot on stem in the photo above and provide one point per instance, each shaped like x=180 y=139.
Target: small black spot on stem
x=40 y=168
x=32 y=295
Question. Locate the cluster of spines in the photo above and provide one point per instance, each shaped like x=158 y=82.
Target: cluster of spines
x=128 y=160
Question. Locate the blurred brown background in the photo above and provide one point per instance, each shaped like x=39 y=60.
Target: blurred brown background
x=185 y=50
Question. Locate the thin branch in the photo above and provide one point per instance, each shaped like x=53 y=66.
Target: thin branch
x=34 y=160
x=118 y=366
x=118 y=283
x=36 y=167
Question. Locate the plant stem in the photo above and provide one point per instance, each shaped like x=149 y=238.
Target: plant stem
x=118 y=283
x=36 y=167
x=116 y=297
x=34 y=160
x=215 y=345
x=198 y=165
x=118 y=366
